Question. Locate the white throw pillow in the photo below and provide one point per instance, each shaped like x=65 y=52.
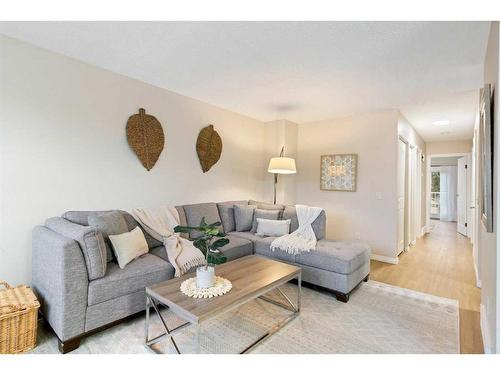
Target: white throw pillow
x=129 y=246
x=275 y=228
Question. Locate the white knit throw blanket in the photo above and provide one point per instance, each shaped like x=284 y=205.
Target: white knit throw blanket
x=303 y=239
x=160 y=223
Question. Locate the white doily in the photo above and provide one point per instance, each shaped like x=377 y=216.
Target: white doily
x=221 y=286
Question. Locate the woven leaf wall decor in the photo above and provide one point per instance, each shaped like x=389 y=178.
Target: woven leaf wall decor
x=145 y=136
x=208 y=147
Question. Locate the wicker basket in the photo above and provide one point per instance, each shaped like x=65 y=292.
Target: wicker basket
x=18 y=319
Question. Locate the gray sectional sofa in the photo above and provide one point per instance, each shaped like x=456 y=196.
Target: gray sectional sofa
x=82 y=290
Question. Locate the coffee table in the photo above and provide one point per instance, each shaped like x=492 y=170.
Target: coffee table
x=252 y=277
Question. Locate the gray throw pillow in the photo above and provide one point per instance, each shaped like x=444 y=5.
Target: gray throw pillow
x=290 y=213
x=109 y=224
x=243 y=217
x=264 y=214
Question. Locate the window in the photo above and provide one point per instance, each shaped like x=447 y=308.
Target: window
x=435 y=192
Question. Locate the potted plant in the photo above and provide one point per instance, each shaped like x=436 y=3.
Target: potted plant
x=209 y=243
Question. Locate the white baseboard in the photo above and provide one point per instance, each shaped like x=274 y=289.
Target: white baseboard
x=385 y=259
x=484 y=330
x=478 y=282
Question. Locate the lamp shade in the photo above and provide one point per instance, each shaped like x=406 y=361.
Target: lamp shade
x=282 y=165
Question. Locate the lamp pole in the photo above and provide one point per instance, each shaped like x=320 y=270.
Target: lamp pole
x=276 y=175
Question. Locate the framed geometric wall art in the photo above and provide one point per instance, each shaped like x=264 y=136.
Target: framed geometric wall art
x=339 y=172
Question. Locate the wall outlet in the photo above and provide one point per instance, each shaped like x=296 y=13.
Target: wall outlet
x=357 y=235
x=378 y=195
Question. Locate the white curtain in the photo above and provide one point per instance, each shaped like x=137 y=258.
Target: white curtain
x=448 y=193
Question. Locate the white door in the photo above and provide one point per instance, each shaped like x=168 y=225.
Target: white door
x=401 y=195
x=462 y=196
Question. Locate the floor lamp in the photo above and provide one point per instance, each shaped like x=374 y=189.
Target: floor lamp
x=281 y=165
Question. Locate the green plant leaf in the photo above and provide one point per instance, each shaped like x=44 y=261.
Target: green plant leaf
x=203 y=223
x=201 y=244
x=219 y=243
x=212 y=231
x=181 y=229
x=216 y=258
x=216 y=224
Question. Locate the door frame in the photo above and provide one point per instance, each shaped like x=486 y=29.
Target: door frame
x=406 y=194
x=413 y=193
x=470 y=181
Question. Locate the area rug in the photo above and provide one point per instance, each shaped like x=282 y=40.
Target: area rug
x=378 y=319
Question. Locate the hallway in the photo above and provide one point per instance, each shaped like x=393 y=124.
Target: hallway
x=441 y=264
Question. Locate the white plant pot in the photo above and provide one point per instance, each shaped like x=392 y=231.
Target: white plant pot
x=205 y=277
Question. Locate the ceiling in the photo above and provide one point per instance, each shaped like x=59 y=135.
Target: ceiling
x=459 y=109
x=302 y=71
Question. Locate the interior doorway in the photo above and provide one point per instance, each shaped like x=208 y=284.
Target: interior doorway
x=450 y=191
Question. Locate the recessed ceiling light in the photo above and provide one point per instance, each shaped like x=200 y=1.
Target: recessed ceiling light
x=441 y=122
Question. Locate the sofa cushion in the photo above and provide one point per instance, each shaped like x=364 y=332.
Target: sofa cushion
x=243 y=217
x=110 y=223
x=262 y=247
x=182 y=220
x=337 y=256
x=267 y=206
x=226 y=213
x=264 y=214
x=160 y=252
x=318 y=225
x=195 y=212
x=290 y=213
x=236 y=248
x=143 y=271
x=82 y=218
x=250 y=236
x=90 y=240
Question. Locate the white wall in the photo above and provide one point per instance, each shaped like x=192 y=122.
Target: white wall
x=489 y=261
x=373 y=136
x=63 y=146
x=443 y=161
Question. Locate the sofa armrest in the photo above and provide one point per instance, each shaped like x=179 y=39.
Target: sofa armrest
x=90 y=240
x=60 y=281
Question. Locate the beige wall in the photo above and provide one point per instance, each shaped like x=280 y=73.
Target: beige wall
x=449 y=147
x=63 y=146
x=407 y=132
x=278 y=134
x=489 y=261
x=373 y=136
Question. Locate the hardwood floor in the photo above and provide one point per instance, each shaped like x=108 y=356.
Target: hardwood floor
x=440 y=263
